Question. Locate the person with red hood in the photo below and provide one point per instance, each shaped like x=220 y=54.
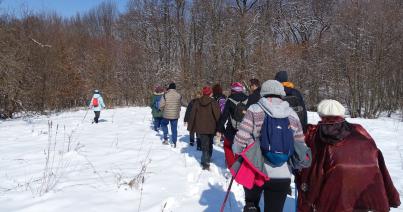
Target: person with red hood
x=348 y=172
x=203 y=120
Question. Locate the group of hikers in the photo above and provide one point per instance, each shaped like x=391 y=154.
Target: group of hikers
x=267 y=139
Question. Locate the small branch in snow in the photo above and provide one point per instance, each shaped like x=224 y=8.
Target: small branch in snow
x=40 y=44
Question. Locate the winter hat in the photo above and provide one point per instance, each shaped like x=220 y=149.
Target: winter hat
x=237 y=87
x=159 y=89
x=207 y=91
x=172 y=86
x=96 y=91
x=281 y=76
x=329 y=107
x=272 y=87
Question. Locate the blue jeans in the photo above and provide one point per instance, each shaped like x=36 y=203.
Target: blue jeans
x=157 y=123
x=174 y=128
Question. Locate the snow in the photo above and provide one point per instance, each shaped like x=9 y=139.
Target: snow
x=121 y=165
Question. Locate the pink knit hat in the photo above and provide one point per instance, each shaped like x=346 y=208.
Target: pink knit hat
x=237 y=87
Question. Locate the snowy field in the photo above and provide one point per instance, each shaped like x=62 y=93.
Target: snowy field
x=65 y=163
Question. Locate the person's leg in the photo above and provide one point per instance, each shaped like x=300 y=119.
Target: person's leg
x=275 y=194
x=164 y=126
x=210 y=151
x=204 y=140
x=252 y=199
x=157 y=123
x=198 y=142
x=97 y=114
x=191 y=138
x=174 y=129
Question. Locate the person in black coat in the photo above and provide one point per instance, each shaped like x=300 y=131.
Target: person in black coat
x=186 y=120
x=237 y=95
x=254 y=97
x=299 y=105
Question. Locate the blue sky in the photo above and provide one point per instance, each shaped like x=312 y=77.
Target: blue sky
x=65 y=8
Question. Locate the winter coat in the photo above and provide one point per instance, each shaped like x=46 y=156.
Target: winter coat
x=101 y=103
x=348 y=171
x=204 y=116
x=254 y=97
x=221 y=99
x=156 y=112
x=228 y=130
x=252 y=124
x=291 y=91
x=171 y=103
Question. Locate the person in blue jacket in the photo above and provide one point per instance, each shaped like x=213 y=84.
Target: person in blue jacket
x=97 y=104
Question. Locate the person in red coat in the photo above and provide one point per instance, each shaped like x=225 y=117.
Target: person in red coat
x=348 y=172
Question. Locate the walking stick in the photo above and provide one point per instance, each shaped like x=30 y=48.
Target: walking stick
x=240 y=159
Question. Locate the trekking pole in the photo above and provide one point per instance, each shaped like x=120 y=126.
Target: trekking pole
x=296 y=197
x=85 y=115
x=229 y=187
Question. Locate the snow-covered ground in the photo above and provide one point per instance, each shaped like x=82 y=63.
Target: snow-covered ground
x=65 y=163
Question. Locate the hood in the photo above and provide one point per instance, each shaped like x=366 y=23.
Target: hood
x=275 y=107
x=205 y=100
x=96 y=95
x=238 y=97
x=332 y=130
x=281 y=76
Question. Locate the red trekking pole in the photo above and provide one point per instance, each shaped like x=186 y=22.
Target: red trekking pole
x=240 y=159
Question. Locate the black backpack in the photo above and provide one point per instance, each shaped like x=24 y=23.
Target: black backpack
x=295 y=104
x=239 y=112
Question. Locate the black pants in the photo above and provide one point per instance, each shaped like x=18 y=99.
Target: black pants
x=192 y=139
x=97 y=114
x=206 y=141
x=275 y=194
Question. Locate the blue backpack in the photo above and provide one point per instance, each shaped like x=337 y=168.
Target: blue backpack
x=157 y=102
x=276 y=140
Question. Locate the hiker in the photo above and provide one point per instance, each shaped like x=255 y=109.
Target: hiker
x=186 y=120
x=155 y=107
x=170 y=104
x=219 y=96
x=233 y=112
x=203 y=120
x=348 y=172
x=294 y=98
x=97 y=104
x=253 y=140
x=254 y=86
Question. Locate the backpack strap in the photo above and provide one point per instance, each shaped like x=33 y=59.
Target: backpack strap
x=233 y=101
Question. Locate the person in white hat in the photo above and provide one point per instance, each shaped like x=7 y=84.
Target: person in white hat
x=97 y=104
x=348 y=172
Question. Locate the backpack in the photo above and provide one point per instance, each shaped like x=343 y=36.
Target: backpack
x=95 y=102
x=295 y=105
x=157 y=102
x=276 y=140
x=239 y=112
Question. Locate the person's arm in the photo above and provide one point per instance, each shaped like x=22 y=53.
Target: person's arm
x=188 y=110
x=224 y=117
x=102 y=102
x=152 y=102
x=162 y=102
x=183 y=102
x=244 y=135
x=216 y=111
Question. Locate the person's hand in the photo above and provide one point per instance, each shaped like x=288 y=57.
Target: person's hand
x=185 y=124
x=218 y=134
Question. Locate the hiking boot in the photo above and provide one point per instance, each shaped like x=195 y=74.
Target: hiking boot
x=191 y=143
x=174 y=145
x=206 y=167
x=165 y=142
x=250 y=207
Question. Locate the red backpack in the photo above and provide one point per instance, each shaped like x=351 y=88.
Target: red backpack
x=95 y=102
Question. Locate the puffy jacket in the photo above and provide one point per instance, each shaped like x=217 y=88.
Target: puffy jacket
x=204 y=116
x=101 y=103
x=348 y=172
x=171 y=103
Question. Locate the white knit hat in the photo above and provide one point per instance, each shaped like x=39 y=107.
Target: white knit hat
x=272 y=87
x=329 y=107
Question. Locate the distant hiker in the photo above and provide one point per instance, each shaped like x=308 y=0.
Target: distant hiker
x=294 y=98
x=254 y=97
x=348 y=172
x=171 y=103
x=97 y=104
x=219 y=96
x=260 y=143
x=234 y=110
x=186 y=120
x=203 y=120
x=155 y=107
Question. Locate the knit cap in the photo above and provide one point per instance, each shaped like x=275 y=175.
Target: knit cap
x=272 y=87
x=330 y=107
x=207 y=91
x=237 y=87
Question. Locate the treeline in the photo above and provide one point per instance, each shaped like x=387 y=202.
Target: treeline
x=347 y=50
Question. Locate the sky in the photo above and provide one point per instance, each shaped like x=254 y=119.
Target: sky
x=65 y=8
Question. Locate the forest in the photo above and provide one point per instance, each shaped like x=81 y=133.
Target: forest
x=348 y=50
